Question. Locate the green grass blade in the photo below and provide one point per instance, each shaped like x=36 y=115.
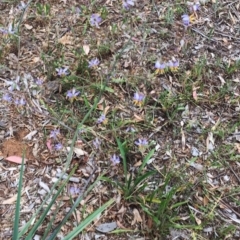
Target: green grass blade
x=88 y=220
x=123 y=155
x=146 y=159
x=44 y=214
x=142 y=178
x=18 y=202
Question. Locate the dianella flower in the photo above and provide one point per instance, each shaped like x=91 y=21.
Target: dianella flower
x=188 y=19
x=115 y=159
x=93 y=63
x=54 y=134
x=20 y=102
x=95 y=20
x=142 y=144
x=138 y=99
x=73 y=190
x=38 y=81
x=58 y=146
x=72 y=94
x=160 y=67
x=194 y=7
x=96 y=143
x=102 y=119
x=173 y=65
x=7 y=97
x=62 y=71
x=127 y=4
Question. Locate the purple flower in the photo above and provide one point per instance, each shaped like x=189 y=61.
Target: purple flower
x=7 y=97
x=160 y=67
x=39 y=81
x=195 y=7
x=72 y=94
x=58 y=146
x=142 y=142
x=101 y=119
x=20 y=102
x=96 y=143
x=54 y=134
x=187 y=19
x=10 y=30
x=93 y=63
x=115 y=159
x=173 y=65
x=130 y=129
x=127 y=4
x=74 y=190
x=138 y=99
x=62 y=71
x=95 y=19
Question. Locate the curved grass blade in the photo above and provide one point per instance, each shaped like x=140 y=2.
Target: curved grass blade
x=18 y=202
x=88 y=220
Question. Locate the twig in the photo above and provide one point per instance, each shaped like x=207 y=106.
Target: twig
x=197 y=31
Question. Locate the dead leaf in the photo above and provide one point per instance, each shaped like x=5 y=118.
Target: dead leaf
x=28 y=27
x=30 y=135
x=66 y=39
x=137 y=164
x=86 y=49
x=106 y=227
x=16 y=159
x=137 y=217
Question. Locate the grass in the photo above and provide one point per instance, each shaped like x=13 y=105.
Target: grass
x=159 y=189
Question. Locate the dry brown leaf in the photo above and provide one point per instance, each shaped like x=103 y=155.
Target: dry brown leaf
x=137 y=217
x=28 y=27
x=137 y=164
x=66 y=39
x=138 y=118
x=86 y=49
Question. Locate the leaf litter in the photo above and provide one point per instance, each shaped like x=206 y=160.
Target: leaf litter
x=190 y=116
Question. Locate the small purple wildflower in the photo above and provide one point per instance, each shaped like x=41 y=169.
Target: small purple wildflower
x=195 y=7
x=188 y=19
x=127 y=4
x=54 y=133
x=142 y=142
x=115 y=159
x=72 y=94
x=93 y=63
x=62 y=71
x=58 y=146
x=95 y=19
x=138 y=99
x=74 y=190
x=96 y=143
x=130 y=129
x=101 y=119
x=7 y=97
x=39 y=81
x=160 y=67
x=20 y=102
x=3 y=31
x=10 y=30
x=173 y=65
